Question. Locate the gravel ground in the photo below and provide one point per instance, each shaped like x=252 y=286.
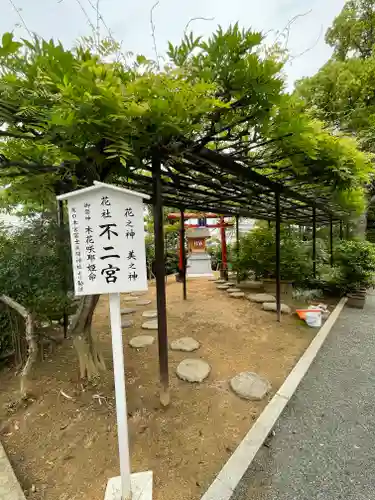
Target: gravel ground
x=324 y=443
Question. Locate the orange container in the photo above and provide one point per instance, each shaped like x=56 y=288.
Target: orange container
x=302 y=312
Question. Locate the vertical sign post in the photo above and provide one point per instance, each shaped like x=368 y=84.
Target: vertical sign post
x=109 y=257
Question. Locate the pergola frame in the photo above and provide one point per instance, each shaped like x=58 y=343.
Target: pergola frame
x=201 y=179
x=198 y=178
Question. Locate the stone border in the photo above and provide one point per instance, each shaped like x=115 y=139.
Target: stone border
x=10 y=488
x=230 y=475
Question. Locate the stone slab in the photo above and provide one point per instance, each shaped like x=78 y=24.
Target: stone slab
x=237 y=295
x=261 y=297
x=130 y=298
x=187 y=344
x=143 y=302
x=150 y=314
x=234 y=290
x=140 y=483
x=128 y=310
x=141 y=341
x=249 y=385
x=127 y=323
x=223 y=287
x=220 y=282
x=10 y=488
x=138 y=294
x=193 y=370
x=272 y=306
x=150 y=325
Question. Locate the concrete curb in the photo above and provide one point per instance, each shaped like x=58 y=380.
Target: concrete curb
x=10 y=488
x=230 y=475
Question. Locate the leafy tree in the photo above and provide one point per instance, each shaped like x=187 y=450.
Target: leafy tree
x=342 y=92
x=352 y=33
x=32 y=266
x=69 y=117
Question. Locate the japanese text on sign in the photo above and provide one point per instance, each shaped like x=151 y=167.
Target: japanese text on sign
x=107 y=236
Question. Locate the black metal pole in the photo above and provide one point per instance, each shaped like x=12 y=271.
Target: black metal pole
x=238 y=245
x=331 y=239
x=278 y=271
x=61 y=240
x=160 y=282
x=341 y=231
x=183 y=251
x=314 y=242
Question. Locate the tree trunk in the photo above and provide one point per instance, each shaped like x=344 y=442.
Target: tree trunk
x=90 y=358
x=361 y=223
x=30 y=339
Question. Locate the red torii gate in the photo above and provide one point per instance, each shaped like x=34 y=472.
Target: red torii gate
x=222 y=225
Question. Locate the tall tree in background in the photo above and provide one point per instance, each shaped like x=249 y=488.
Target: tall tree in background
x=342 y=93
x=352 y=33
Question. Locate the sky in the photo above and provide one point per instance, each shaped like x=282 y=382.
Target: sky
x=129 y=22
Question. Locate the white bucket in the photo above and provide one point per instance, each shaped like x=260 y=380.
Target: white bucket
x=314 y=319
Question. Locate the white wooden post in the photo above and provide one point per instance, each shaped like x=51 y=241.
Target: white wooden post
x=120 y=391
x=108 y=252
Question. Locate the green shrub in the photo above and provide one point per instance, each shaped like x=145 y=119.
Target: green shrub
x=31 y=268
x=355 y=260
x=258 y=255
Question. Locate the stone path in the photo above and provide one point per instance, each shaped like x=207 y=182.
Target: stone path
x=324 y=443
x=128 y=310
x=249 y=385
x=141 y=341
x=143 y=302
x=272 y=306
x=187 y=344
x=150 y=314
x=127 y=323
x=193 y=370
x=150 y=325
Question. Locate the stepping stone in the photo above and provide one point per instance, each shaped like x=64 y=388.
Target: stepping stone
x=138 y=294
x=130 y=298
x=237 y=295
x=150 y=325
x=261 y=297
x=187 y=344
x=193 y=370
x=272 y=306
x=128 y=310
x=150 y=314
x=141 y=341
x=231 y=284
x=143 y=302
x=233 y=290
x=249 y=385
x=223 y=287
x=220 y=282
x=127 y=323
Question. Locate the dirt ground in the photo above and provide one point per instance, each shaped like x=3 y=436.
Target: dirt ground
x=66 y=449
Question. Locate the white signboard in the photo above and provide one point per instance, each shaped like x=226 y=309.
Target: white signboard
x=109 y=256
x=108 y=240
